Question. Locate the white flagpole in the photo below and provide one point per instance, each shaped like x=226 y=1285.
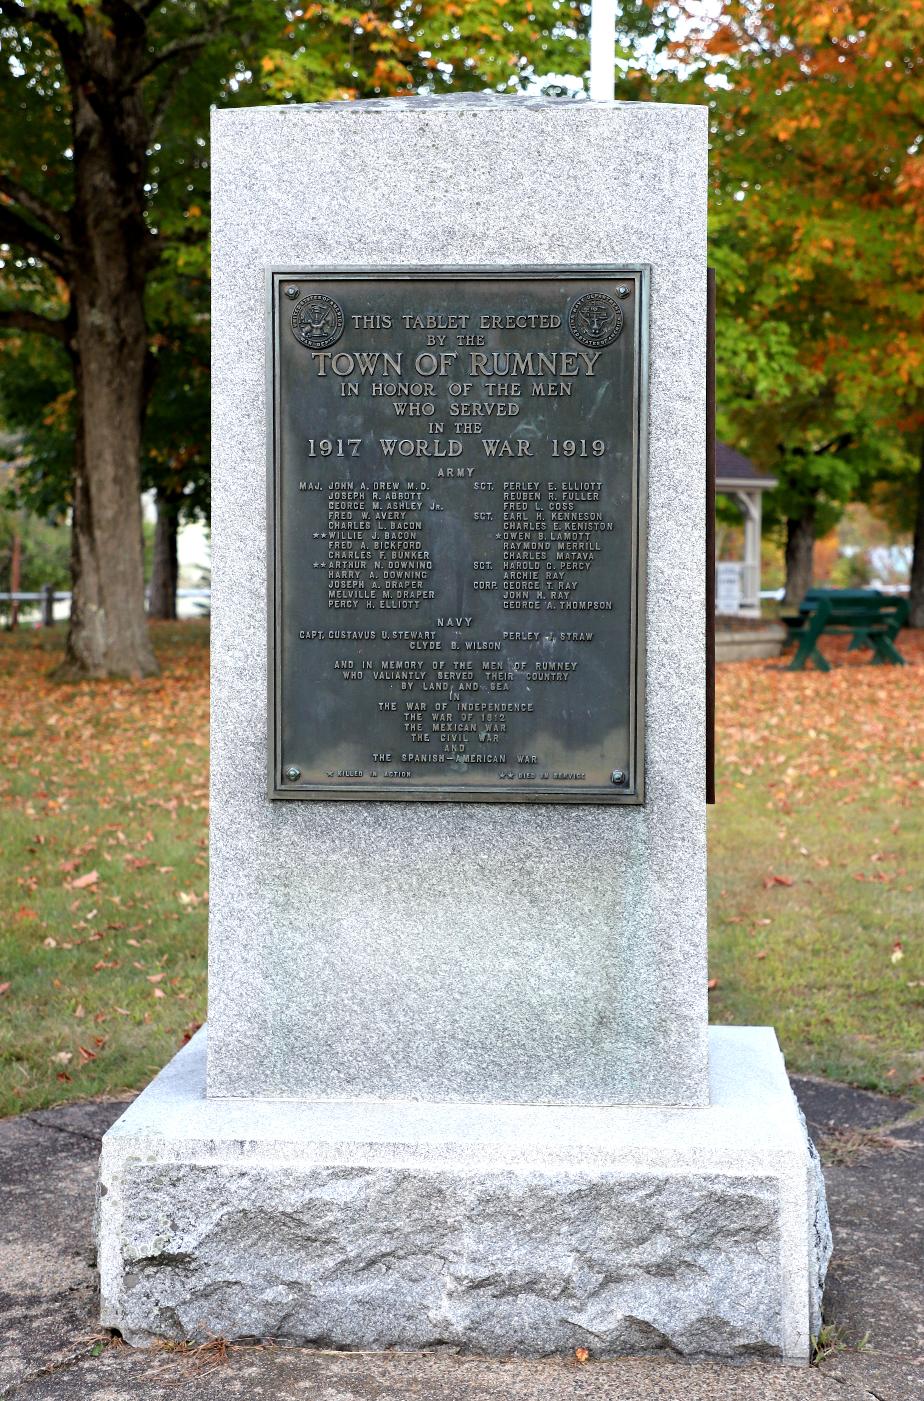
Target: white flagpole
x=602 y=50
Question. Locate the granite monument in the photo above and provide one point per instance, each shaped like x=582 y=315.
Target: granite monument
x=458 y=1083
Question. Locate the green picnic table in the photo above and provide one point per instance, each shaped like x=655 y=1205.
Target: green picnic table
x=872 y=619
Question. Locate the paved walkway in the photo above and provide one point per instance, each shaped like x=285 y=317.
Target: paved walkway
x=50 y=1348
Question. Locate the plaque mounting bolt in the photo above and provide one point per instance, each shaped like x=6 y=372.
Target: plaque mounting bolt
x=622 y=290
x=617 y=776
x=293 y=773
x=292 y=293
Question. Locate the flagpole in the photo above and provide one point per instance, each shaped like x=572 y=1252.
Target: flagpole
x=602 y=50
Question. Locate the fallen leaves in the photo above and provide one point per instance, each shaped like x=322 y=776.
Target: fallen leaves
x=844 y=1145
x=771 y=881
x=84 y=882
x=807 y=734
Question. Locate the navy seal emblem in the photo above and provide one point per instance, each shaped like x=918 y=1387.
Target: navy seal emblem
x=317 y=321
x=595 y=320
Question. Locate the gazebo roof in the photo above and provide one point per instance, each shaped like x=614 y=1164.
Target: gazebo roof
x=734 y=470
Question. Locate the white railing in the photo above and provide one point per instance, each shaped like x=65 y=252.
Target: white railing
x=47 y=597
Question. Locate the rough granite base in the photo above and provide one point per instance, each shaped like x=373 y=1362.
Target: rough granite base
x=498 y=1228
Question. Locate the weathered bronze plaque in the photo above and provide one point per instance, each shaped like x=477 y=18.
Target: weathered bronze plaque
x=457 y=532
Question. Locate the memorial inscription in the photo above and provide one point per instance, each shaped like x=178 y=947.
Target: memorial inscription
x=457 y=530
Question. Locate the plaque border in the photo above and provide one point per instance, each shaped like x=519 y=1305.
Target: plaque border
x=633 y=792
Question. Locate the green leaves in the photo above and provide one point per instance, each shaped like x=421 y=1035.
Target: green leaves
x=161 y=69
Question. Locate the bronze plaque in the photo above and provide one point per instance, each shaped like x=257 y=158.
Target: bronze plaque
x=457 y=533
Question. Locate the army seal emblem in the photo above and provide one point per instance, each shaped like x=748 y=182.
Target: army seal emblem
x=595 y=320
x=317 y=321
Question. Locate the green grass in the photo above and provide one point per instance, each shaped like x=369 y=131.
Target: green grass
x=106 y=979
x=821 y=781
x=815 y=960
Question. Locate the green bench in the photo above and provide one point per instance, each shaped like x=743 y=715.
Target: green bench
x=872 y=619
x=810 y=602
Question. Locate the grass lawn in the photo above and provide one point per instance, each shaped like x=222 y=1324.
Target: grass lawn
x=816 y=859
x=816 y=842
x=103 y=869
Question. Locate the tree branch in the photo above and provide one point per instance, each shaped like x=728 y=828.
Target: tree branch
x=185 y=49
x=836 y=444
x=34 y=205
x=176 y=47
x=19 y=319
x=39 y=243
x=168 y=92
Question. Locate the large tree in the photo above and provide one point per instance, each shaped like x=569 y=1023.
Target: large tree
x=818 y=237
x=103 y=194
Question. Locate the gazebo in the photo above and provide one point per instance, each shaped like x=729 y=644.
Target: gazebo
x=737 y=582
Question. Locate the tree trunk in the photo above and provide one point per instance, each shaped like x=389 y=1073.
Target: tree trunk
x=916 y=596
x=108 y=633
x=164 y=572
x=800 y=548
x=15 y=577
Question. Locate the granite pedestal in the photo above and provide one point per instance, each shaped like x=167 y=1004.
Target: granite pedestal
x=496 y=1228
x=458 y=1077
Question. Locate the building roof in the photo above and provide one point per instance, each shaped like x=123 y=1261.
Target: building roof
x=734 y=469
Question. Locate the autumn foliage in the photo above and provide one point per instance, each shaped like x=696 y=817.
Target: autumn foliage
x=817 y=234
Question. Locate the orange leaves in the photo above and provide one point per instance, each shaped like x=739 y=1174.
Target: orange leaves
x=817 y=118
x=810 y=737
x=724 y=40
x=786 y=129
x=771 y=881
